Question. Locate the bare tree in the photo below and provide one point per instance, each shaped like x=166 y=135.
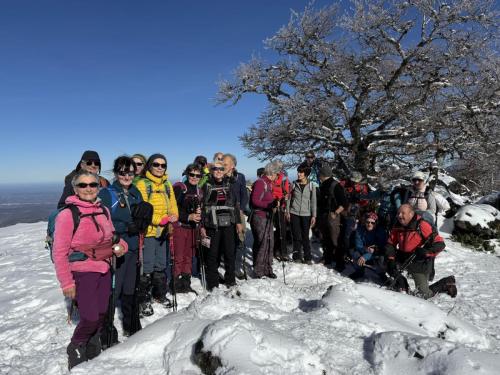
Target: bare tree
x=394 y=82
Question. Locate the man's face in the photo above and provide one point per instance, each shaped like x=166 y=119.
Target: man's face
x=405 y=214
x=309 y=159
x=228 y=165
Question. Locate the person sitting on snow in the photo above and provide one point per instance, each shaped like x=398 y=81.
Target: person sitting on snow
x=413 y=237
x=369 y=241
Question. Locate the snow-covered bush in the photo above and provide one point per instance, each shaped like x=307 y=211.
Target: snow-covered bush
x=476 y=224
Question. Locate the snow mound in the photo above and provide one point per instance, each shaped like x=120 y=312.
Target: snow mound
x=380 y=310
x=250 y=346
x=402 y=353
x=476 y=214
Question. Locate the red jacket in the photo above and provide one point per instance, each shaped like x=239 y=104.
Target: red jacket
x=281 y=186
x=354 y=190
x=416 y=234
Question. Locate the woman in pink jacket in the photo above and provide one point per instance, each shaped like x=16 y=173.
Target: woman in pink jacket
x=82 y=262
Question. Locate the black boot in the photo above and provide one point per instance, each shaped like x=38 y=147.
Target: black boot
x=144 y=295
x=160 y=288
x=76 y=354
x=177 y=285
x=94 y=347
x=445 y=285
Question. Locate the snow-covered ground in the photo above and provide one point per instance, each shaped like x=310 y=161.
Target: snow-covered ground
x=264 y=326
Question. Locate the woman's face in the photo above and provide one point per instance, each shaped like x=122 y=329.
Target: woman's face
x=218 y=172
x=370 y=224
x=158 y=167
x=139 y=166
x=86 y=188
x=125 y=176
x=194 y=176
x=91 y=166
x=301 y=175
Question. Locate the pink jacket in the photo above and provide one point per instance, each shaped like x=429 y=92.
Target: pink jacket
x=85 y=237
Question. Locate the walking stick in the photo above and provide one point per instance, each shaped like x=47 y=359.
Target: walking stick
x=280 y=228
x=203 y=276
x=402 y=269
x=172 y=264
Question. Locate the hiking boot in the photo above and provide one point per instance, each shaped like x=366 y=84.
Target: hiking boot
x=450 y=287
x=163 y=300
x=76 y=354
x=272 y=275
x=94 y=348
x=308 y=262
x=146 y=309
x=159 y=281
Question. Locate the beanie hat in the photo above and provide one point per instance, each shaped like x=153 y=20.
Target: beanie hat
x=152 y=159
x=325 y=171
x=140 y=156
x=90 y=155
x=419 y=175
x=371 y=215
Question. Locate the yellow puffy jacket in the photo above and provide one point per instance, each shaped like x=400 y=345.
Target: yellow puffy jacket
x=163 y=204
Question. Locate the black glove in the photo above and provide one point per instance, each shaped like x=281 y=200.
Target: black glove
x=401 y=284
x=275 y=203
x=132 y=229
x=420 y=253
x=391 y=268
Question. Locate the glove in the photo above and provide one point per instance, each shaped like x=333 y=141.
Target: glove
x=420 y=253
x=391 y=268
x=132 y=229
x=164 y=221
x=401 y=284
x=275 y=203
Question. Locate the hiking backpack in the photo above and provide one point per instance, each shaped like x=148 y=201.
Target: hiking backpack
x=76 y=215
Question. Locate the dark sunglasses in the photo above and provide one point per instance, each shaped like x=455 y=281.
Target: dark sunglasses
x=97 y=163
x=370 y=222
x=126 y=173
x=159 y=165
x=139 y=164
x=417 y=180
x=218 y=169
x=83 y=185
x=195 y=175
x=309 y=157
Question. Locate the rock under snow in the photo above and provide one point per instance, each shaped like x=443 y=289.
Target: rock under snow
x=477 y=219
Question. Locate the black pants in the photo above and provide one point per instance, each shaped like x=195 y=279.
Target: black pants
x=222 y=241
x=300 y=232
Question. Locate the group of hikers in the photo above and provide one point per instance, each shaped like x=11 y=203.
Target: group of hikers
x=140 y=238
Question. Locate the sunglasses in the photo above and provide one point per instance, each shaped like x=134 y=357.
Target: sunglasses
x=159 y=165
x=194 y=175
x=417 y=180
x=309 y=157
x=97 y=163
x=83 y=185
x=218 y=169
x=139 y=164
x=370 y=222
x=125 y=173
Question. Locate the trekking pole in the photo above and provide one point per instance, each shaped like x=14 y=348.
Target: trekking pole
x=280 y=228
x=199 y=248
x=172 y=264
x=402 y=269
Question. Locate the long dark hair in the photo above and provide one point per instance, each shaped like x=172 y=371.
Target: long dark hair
x=123 y=162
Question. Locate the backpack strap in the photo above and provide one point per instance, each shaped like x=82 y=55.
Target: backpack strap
x=75 y=213
x=431 y=237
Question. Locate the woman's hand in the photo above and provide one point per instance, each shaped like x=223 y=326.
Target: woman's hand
x=118 y=250
x=173 y=218
x=313 y=222
x=361 y=261
x=70 y=292
x=203 y=232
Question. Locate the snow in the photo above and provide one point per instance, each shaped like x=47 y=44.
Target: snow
x=477 y=214
x=264 y=326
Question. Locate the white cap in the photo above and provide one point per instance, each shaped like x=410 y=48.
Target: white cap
x=419 y=175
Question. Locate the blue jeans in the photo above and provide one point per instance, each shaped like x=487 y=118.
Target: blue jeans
x=155 y=257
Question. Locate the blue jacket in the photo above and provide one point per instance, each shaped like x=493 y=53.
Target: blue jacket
x=239 y=189
x=121 y=216
x=364 y=238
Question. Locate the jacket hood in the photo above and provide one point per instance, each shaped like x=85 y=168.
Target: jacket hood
x=73 y=199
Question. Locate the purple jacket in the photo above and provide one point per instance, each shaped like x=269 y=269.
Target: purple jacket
x=262 y=196
x=86 y=237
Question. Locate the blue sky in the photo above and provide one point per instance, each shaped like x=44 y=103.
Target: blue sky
x=124 y=77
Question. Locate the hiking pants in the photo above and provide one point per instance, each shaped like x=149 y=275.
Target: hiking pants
x=420 y=274
x=126 y=271
x=262 y=231
x=300 y=234
x=184 y=244
x=92 y=296
x=222 y=241
x=330 y=233
x=155 y=257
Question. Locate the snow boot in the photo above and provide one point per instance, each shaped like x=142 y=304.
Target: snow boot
x=94 y=347
x=445 y=285
x=76 y=354
x=160 y=289
x=358 y=274
x=144 y=295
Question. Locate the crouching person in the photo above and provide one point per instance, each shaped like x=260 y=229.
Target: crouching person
x=83 y=244
x=413 y=243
